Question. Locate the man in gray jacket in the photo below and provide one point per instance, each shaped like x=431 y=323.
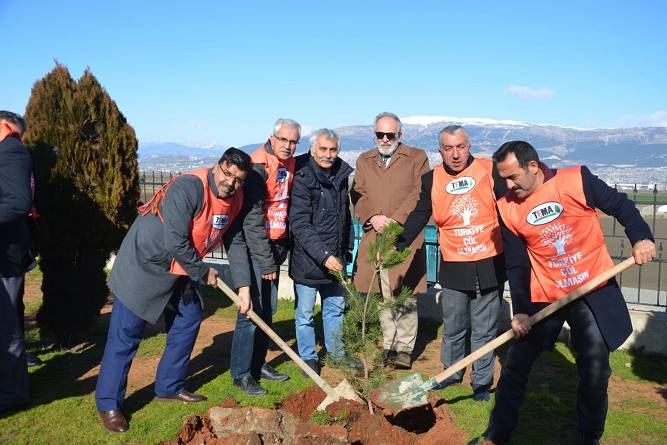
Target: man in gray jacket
x=158 y=270
x=266 y=233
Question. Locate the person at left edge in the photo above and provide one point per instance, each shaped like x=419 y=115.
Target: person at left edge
x=158 y=270
x=265 y=212
x=15 y=258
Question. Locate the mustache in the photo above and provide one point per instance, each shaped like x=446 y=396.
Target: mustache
x=327 y=159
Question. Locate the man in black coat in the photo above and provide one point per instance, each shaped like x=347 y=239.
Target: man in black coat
x=15 y=257
x=320 y=224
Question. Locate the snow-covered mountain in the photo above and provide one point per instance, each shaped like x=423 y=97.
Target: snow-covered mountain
x=644 y=147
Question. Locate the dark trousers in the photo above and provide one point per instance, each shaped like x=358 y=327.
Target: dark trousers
x=592 y=357
x=480 y=308
x=14 y=389
x=182 y=318
x=250 y=344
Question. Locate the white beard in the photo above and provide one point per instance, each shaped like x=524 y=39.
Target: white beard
x=388 y=151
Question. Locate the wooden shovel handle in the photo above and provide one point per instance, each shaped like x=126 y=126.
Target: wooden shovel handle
x=537 y=317
x=279 y=341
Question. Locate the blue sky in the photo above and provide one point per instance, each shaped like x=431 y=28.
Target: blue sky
x=221 y=72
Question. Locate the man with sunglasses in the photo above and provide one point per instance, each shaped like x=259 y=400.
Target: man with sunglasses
x=15 y=258
x=266 y=233
x=386 y=187
x=159 y=269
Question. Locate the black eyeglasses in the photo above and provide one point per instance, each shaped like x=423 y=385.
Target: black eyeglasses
x=390 y=136
x=229 y=175
x=289 y=142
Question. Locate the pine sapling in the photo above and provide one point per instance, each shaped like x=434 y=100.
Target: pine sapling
x=361 y=332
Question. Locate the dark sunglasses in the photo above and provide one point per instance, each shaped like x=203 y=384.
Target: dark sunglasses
x=390 y=136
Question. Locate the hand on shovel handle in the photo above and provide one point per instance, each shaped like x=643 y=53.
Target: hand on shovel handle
x=537 y=317
x=411 y=391
x=342 y=390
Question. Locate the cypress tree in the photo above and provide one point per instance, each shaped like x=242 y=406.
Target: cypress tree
x=87 y=175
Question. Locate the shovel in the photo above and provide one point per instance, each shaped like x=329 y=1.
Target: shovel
x=342 y=391
x=411 y=391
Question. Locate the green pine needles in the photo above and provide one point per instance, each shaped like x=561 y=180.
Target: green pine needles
x=361 y=332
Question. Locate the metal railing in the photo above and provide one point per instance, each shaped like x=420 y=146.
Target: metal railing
x=644 y=288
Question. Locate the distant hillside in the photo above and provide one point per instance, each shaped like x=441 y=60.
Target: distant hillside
x=642 y=147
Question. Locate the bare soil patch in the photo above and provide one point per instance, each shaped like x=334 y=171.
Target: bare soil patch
x=428 y=425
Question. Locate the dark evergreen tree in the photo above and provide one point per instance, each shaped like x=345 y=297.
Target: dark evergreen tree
x=86 y=170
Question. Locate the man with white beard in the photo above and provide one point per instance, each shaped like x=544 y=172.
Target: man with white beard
x=386 y=188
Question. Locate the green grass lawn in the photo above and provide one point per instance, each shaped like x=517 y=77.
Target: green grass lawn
x=63 y=406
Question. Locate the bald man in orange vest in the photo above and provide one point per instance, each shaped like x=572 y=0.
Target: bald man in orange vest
x=554 y=244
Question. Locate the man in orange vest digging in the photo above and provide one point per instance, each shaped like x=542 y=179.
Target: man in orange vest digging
x=266 y=234
x=554 y=244
x=461 y=194
x=158 y=270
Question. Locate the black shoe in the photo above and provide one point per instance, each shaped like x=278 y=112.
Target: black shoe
x=269 y=373
x=402 y=360
x=184 y=396
x=482 y=396
x=249 y=385
x=314 y=365
x=32 y=360
x=388 y=357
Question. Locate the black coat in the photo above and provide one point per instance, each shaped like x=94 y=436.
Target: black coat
x=15 y=203
x=320 y=220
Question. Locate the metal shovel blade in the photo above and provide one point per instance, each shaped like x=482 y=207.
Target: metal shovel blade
x=409 y=391
x=344 y=390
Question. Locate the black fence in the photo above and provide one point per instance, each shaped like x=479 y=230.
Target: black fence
x=644 y=288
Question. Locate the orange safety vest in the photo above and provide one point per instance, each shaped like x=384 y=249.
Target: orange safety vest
x=280 y=175
x=464 y=209
x=563 y=236
x=210 y=224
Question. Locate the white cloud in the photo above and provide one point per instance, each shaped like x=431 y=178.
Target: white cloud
x=657 y=119
x=524 y=92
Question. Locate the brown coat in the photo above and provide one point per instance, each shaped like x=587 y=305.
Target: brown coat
x=391 y=191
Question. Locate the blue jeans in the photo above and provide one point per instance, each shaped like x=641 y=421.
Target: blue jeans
x=482 y=309
x=250 y=344
x=333 y=306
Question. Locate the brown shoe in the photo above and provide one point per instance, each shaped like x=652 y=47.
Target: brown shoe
x=114 y=421
x=402 y=360
x=183 y=396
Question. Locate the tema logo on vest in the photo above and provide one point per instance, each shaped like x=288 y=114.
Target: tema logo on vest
x=460 y=186
x=544 y=213
x=220 y=221
x=281 y=174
